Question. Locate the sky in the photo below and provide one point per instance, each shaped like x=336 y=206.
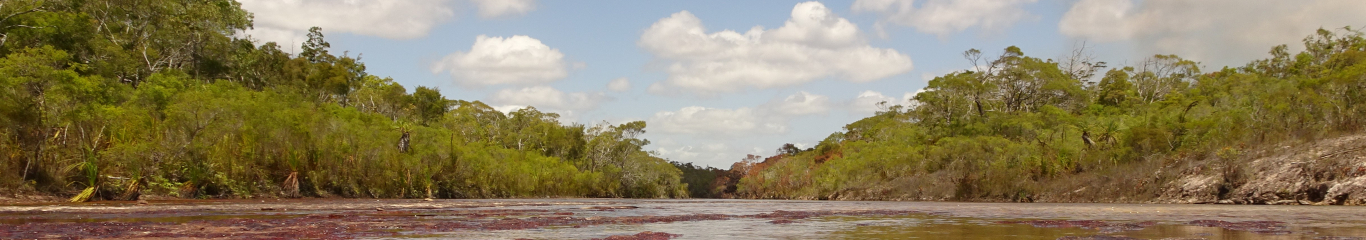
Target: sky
x=717 y=80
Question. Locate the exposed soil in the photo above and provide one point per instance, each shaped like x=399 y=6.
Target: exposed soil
x=1327 y=172
x=28 y=199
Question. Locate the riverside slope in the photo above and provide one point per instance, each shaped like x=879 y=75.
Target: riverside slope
x=1327 y=172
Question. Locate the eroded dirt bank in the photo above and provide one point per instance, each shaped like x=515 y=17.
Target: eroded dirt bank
x=1328 y=172
x=670 y=219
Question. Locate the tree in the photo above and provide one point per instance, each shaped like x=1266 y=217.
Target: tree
x=1163 y=74
x=429 y=104
x=257 y=67
x=1080 y=64
x=205 y=113
x=10 y=14
x=1027 y=83
x=135 y=38
x=27 y=81
x=951 y=98
x=979 y=86
x=382 y=96
x=788 y=149
x=610 y=145
x=315 y=49
x=1115 y=89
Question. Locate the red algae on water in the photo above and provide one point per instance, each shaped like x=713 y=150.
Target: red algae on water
x=647 y=235
x=1263 y=227
x=1103 y=226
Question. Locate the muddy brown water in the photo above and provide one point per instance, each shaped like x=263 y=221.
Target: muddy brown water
x=676 y=219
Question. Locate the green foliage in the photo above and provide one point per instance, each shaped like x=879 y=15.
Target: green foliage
x=1115 y=89
x=315 y=49
x=1015 y=123
x=701 y=181
x=429 y=104
x=112 y=95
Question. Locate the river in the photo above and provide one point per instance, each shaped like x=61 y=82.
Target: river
x=675 y=219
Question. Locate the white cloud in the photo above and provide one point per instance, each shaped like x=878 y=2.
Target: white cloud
x=516 y=60
x=801 y=103
x=286 y=22
x=1098 y=20
x=288 y=40
x=1221 y=32
x=498 y=8
x=569 y=105
x=619 y=85
x=679 y=153
x=868 y=102
x=770 y=118
x=813 y=44
x=508 y=108
x=944 y=17
x=814 y=25
x=928 y=76
x=716 y=122
x=719 y=155
x=547 y=98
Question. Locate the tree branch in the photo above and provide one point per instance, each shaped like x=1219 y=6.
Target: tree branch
x=4 y=36
x=36 y=8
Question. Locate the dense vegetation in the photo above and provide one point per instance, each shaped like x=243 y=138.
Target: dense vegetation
x=126 y=97
x=1017 y=127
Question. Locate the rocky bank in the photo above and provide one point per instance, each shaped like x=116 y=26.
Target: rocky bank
x=1326 y=172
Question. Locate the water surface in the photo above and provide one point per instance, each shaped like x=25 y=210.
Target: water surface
x=679 y=219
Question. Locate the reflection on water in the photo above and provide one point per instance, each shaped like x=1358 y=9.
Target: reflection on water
x=703 y=219
x=977 y=229
x=930 y=227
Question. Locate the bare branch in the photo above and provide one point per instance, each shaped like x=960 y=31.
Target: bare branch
x=35 y=8
x=4 y=36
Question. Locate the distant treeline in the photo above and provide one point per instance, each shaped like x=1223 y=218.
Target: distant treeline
x=121 y=98
x=1015 y=126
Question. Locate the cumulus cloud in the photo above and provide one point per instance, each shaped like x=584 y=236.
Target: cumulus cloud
x=508 y=108
x=499 y=8
x=288 y=40
x=766 y=119
x=716 y=122
x=286 y=22
x=869 y=102
x=720 y=155
x=1222 y=32
x=543 y=97
x=801 y=103
x=517 y=60
x=944 y=17
x=619 y=85
x=681 y=152
x=813 y=44
x=690 y=152
x=814 y=25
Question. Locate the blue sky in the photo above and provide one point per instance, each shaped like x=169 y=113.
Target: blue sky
x=711 y=96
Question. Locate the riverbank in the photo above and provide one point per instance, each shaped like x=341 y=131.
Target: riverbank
x=1330 y=171
x=13 y=199
x=1326 y=172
